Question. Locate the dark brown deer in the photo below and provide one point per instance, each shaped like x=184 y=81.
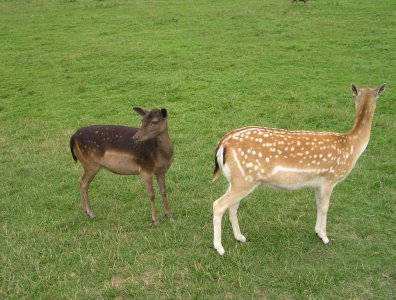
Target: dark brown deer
x=123 y=150
x=290 y=160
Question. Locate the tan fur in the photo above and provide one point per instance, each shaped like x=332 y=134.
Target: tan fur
x=291 y=160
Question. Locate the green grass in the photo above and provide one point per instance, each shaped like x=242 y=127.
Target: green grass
x=216 y=66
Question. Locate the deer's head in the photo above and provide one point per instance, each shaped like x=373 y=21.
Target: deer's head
x=153 y=123
x=366 y=96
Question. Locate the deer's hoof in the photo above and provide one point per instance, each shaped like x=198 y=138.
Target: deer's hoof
x=90 y=214
x=325 y=240
x=240 y=238
x=155 y=223
x=169 y=216
x=220 y=250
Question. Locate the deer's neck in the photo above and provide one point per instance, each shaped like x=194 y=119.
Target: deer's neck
x=165 y=145
x=361 y=130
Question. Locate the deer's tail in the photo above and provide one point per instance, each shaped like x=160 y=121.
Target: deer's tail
x=72 y=144
x=219 y=161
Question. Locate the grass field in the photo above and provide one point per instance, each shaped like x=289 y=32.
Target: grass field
x=216 y=66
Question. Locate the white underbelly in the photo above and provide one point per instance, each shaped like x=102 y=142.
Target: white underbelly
x=293 y=179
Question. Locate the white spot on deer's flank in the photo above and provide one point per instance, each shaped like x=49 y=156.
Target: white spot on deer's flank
x=278 y=169
x=238 y=164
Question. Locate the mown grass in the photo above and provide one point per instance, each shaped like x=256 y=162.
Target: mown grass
x=216 y=66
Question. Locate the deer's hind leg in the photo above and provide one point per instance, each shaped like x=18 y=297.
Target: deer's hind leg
x=235 y=224
x=85 y=180
x=230 y=200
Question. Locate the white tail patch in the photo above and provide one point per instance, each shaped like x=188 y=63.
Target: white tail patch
x=220 y=156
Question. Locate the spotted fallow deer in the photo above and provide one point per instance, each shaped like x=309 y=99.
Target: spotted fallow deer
x=290 y=160
x=123 y=150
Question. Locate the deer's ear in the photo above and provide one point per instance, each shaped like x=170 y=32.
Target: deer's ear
x=140 y=111
x=355 y=90
x=380 y=90
x=164 y=113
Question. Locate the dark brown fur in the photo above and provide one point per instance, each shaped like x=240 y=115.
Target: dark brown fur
x=144 y=151
x=96 y=139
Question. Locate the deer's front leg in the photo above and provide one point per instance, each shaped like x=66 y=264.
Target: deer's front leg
x=148 y=179
x=162 y=186
x=323 y=194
